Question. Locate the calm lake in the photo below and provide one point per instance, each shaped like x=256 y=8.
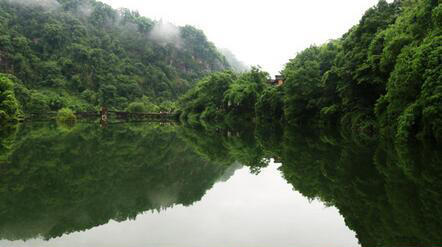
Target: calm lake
x=151 y=184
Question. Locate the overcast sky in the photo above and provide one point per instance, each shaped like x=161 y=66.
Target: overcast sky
x=259 y=32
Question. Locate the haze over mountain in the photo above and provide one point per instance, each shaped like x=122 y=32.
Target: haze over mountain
x=265 y=33
x=82 y=53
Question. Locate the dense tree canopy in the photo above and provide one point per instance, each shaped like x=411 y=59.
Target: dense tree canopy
x=385 y=74
x=303 y=85
x=82 y=53
x=382 y=76
x=9 y=107
x=224 y=94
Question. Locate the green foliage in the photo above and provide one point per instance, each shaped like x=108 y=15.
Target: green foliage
x=9 y=106
x=412 y=104
x=168 y=106
x=337 y=83
x=38 y=102
x=66 y=116
x=305 y=92
x=270 y=104
x=224 y=93
x=94 y=55
x=207 y=93
x=384 y=74
x=243 y=93
x=136 y=107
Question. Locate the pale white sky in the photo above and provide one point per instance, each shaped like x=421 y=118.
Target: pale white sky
x=266 y=33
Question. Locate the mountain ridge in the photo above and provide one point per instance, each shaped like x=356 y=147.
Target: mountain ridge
x=82 y=54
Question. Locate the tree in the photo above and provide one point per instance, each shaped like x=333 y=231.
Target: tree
x=86 y=45
x=9 y=106
x=207 y=96
x=270 y=104
x=136 y=107
x=243 y=93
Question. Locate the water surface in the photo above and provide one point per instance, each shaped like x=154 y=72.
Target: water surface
x=247 y=210
x=169 y=185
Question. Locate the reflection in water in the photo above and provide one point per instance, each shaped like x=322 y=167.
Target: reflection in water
x=56 y=181
x=390 y=196
x=247 y=210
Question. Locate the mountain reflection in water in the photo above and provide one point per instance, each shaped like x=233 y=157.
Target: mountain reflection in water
x=57 y=181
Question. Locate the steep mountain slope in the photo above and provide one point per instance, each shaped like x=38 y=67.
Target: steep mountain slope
x=82 y=54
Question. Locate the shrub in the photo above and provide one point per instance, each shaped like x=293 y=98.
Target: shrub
x=136 y=107
x=38 y=103
x=66 y=115
x=9 y=107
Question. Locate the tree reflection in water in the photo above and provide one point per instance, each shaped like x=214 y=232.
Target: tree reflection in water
x=57 y=180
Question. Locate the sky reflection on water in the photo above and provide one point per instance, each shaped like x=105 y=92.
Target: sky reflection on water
x=247 y=211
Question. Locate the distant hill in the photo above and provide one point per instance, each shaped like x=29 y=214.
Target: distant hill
x=237 y=65
x=82 y=54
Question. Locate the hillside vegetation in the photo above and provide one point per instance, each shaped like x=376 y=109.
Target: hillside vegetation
x=83 y=54
x=382 y=76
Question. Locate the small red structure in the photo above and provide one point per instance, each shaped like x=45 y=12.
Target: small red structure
x=279 y=81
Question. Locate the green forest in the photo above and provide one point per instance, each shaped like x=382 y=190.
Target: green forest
x=82 y=54
x=356 y=124
x=382 y=77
